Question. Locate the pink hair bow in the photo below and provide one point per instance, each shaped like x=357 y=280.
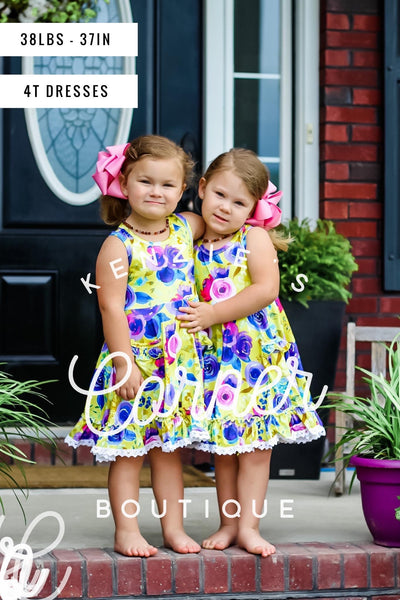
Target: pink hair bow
x=267 y=214
x=108 y=168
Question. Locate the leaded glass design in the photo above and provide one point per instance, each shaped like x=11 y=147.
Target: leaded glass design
x=70 y=138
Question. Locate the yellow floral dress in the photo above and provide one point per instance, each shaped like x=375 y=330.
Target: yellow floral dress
x=160 y=280
x=255 y=391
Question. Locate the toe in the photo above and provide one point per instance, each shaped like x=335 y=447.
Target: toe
x=219 y=545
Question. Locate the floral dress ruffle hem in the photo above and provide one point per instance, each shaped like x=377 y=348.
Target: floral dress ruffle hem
x=256 y=392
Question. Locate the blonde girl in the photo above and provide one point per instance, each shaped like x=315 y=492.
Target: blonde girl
x=256 y=395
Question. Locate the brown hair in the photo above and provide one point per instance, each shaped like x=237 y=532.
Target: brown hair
x=246 y=165
x=254 y=174
x=114 y=210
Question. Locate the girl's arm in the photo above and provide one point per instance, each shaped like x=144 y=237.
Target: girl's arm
x=112 y=277
x=263 y=268
x=196 y=224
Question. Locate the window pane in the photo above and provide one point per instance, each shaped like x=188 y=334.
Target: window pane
x=257 y=36
x=256 y=115
x=273 y=169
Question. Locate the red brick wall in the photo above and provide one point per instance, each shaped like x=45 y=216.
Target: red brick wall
x=351 y=130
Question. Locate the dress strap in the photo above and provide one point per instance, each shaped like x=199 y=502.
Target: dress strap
x=243 y=231
x=179 y=222
x=126 y=238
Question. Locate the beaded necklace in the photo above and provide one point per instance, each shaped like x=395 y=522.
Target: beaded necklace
x=147 y=232
x=207 y=241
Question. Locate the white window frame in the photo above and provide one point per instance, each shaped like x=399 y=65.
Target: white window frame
x=218 y=99
x=306 y=155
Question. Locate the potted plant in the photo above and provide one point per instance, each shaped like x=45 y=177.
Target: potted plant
x=372 y=445
x=20 y=418
x=315 y=273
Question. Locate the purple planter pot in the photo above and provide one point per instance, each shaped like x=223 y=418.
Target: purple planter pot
x=380 y=488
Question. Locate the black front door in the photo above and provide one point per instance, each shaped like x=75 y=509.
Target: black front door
x=48 y=242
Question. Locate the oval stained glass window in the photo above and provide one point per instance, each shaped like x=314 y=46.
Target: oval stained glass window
x=66 y=141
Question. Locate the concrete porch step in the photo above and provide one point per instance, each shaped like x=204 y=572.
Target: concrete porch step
x=309 y=527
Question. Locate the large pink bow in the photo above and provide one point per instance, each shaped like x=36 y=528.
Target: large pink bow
x=267 y=214
x=108 y=168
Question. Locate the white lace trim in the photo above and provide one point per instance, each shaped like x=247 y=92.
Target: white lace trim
x=74 y=443
x=300 y=437
x=199 y=443
x=110 y=454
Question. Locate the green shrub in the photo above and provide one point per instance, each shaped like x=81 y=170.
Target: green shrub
x=50 y=11
x=323 y=255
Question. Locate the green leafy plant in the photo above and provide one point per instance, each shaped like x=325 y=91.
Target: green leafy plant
x=47 y=11
x=323 y=255
x=22 y=419
x=376 y=431
x=397 y=511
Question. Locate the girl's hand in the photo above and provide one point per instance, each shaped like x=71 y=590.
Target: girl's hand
x=198 y=316
x=129 y=389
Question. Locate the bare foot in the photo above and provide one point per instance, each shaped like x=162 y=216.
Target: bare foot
x=221 y=539
x=180 y=542
x=132 y=543
x=251 y=540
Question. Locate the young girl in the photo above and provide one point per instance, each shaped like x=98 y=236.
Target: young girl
x=145 y=273
x=254 y=396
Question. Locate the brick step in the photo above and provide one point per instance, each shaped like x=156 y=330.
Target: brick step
x=300 y=570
